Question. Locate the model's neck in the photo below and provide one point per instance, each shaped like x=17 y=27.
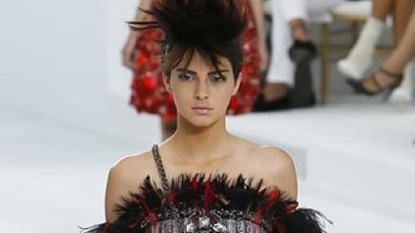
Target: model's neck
x=201 y=143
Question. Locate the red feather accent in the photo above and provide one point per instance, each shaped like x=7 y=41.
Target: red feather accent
x=207 y=199
x=259 y=215
x=133 y=225
x=291 y=207
x=194 y=188
x=280 y=227
x=152 y=216
x=272 y=197
x=171 y=198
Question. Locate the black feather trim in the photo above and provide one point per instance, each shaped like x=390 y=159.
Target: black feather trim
x=305 y=221
x=268 y=207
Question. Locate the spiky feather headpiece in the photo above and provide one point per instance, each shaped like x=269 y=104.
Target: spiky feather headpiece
x=210 y=27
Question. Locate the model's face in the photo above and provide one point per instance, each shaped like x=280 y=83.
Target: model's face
x=200 y=93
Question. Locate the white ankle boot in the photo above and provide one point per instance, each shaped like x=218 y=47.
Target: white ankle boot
x=361 y=56
x=404 y=93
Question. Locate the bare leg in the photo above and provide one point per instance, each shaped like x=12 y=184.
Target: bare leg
x=168 y=128
x=402 y=11
x=382 y=8
x=397 y=61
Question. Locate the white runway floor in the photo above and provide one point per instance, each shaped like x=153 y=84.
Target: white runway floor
x=356 y=163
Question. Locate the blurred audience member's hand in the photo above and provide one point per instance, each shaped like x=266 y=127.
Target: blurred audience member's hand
x=129 y=50
x=263 y=57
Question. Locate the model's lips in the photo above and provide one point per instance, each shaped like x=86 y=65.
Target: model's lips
x=202 y=109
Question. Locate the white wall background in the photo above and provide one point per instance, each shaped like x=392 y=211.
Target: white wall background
x=53 y=57
x=60 y=60
x=118 y=12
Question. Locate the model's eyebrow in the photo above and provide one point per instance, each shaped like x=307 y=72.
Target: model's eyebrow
x=218 y=72
x=194 y=72
x=186 y=70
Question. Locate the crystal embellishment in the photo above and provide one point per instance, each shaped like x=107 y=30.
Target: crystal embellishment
x=190 y=228
x=204 y=222
x=218 y=227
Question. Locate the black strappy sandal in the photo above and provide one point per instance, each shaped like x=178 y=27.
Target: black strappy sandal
x=360 y=88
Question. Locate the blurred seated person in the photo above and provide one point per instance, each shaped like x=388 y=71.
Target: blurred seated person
x=289 y=30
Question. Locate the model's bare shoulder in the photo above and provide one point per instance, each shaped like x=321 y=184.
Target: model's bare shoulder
x=123 y=178
x=278 y=168
x=275 y=155
x=132 y=166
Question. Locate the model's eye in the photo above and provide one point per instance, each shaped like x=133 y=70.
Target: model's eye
x=217 y=78
x=186 y=76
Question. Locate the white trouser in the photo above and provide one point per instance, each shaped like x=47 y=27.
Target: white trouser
x=281 y=68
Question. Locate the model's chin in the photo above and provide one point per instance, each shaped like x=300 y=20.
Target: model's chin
x=201 y=120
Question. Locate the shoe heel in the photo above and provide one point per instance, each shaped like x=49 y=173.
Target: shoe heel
x=388 y=92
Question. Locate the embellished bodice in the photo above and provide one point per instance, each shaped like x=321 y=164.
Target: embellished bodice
x=207 y=204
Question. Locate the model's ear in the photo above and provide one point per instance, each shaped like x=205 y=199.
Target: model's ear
x=237 y=83
x=166 y=81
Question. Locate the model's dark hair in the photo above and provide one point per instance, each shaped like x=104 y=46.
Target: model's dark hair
x=210 y=27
